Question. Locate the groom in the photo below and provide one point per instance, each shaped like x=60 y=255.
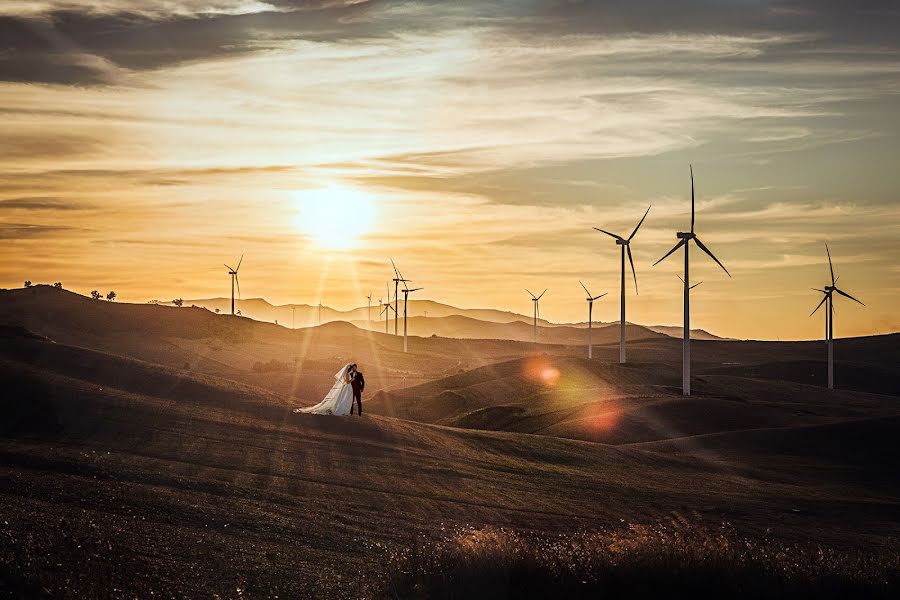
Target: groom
x=358 y=383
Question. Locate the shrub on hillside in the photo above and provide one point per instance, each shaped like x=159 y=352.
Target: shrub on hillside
x=270 y=366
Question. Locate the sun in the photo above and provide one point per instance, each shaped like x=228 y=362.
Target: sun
x=336 y=216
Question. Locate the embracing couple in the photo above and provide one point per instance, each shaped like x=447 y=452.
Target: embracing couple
x=347 y=390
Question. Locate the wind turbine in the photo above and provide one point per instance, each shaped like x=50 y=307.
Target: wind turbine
x=828 y=300
x=682 y=281
x=397 y=279
x=234 y=280
x=386 y=308
x=537 y=310
x=406 y=292
x=369 y=298
x=625 y=244
x=590 y=301
x=685 y=238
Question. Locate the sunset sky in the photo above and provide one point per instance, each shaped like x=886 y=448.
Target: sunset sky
x=146 y=143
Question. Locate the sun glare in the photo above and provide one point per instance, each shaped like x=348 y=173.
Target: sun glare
x=336 y=217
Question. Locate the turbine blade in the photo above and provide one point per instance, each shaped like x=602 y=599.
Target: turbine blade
x=692 y=198
x=238 y=282
x=415 y=290
x=542 y=293
x=711 y=255
x=239 y=262
x=695 y=285
x=530 y=294
x=618 y=237
x=679 y=278
x=396 y=272
x=639 y=224
x=227 y=267
x=585 y=289
x=818 y=306
x=830 y=266
x=631 y=260
x=680 y=243
x=846 y=295
x=818 y=290
x=600 y=296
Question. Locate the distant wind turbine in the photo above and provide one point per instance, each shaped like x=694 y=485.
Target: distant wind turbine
x=590 y=301
x=234 y=281
x=685 y=238
x=682 y=281
x=397 y=279
x=537 y=310
x=369 y=298
x=625 y=244
x=828 y=300
x=386 y=309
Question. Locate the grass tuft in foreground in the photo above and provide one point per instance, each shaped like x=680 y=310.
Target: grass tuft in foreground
x=672 y=560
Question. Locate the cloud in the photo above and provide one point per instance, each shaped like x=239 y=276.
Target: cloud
x=22 y=231
x=40 y=203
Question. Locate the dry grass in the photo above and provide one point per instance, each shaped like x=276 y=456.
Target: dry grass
x=672 y=560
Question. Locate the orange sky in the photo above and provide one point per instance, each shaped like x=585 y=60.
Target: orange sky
x=475 y=144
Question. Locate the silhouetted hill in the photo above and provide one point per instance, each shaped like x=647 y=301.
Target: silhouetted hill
x=297 y=363
x=457 y=326
x=305 y=315
x=423 y=311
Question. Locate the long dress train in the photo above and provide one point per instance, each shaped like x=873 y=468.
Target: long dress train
x=339 y=398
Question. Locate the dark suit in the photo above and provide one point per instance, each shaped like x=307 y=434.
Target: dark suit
x=358 y=383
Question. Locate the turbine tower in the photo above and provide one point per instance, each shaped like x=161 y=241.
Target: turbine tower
x=537 y=310
x=828 y=300
x=590 y=301
x=625 y=245
x=369 y=298
x=234 y=280
x=684 y=240
x=397 y=279
x=406 y=293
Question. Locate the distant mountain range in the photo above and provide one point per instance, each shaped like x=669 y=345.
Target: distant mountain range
x=427 y=317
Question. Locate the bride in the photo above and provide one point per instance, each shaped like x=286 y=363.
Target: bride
x=338 y=400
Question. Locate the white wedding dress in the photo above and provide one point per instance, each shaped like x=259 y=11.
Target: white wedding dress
x=338 y=400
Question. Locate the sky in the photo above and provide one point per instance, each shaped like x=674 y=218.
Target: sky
x=146 y=143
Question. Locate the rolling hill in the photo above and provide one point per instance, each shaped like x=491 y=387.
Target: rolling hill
x=121 y=474
x=429 y=318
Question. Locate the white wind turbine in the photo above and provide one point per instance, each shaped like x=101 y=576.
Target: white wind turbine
x=625 y=244
x=828 y=300
x=685 y=238
x=234 y=281
x=590 y=301
x=537 y=310
x=386 y=309
x=397 y=279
